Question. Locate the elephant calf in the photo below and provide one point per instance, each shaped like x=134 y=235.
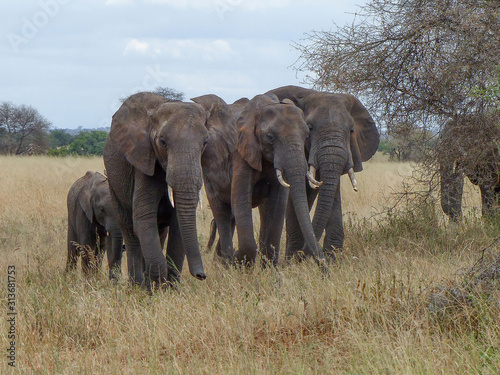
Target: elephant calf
x=91 y=219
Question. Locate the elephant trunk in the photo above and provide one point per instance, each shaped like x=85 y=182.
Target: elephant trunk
x=332 y=163
x=186 y=182
x=296 y=177
x=186 y=215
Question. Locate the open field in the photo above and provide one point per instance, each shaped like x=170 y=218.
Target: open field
x=368 y=316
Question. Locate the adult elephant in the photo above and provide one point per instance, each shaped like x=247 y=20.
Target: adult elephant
x=155 y=145
x=92 y=225
x=343 y=135
x=268 y=165
x=468 y=146
x=217 y=165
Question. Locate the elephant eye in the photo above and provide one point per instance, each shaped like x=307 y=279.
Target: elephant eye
x=309 y=125
x=270 y=137
x=163 y=142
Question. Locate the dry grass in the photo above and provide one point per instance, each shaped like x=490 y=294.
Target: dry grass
x=368 y=316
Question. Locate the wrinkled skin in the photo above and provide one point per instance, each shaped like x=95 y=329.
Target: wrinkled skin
x=153 y=144
x=217 y=164
x=92 y=223
x=343 y=135
x=469 y=149
x=271 y=137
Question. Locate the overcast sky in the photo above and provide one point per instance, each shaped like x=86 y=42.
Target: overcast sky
x=73 y=59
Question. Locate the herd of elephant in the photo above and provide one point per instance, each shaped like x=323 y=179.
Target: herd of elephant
x=278 y=151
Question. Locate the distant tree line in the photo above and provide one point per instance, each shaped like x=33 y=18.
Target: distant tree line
x=24 y=131
x=85 y=143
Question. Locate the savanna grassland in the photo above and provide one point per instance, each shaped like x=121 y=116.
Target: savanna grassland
x=370 y=315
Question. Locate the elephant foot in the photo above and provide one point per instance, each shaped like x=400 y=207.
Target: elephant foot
x=244 y=259
x=225 y=261
x=266 y=262
x=333 y=254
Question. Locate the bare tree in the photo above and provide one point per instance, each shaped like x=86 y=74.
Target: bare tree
x=169 y=93
x=166 y=92
x=420 y=61
x=23 y=130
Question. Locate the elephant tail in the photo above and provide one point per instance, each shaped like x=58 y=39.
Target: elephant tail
x=213 y=233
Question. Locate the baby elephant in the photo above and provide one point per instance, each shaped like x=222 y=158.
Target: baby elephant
x=92 y=227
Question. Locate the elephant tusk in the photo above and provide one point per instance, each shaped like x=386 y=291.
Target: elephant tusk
x=200 y=201
x=354 y=183
x=171 y=195
x=281 y=180
x=311 y=174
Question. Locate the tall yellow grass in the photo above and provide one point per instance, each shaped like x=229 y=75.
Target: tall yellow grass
x=367 y=316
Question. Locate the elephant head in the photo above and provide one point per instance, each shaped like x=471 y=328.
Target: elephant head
x=163 y=142
x=90 y=211
x=217 y=164
x=468 y=146
x=271 y=140
x=342 y=136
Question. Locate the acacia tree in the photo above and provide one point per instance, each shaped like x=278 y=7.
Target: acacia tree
x=22 y=130
x=166 y=92
x=416 y=62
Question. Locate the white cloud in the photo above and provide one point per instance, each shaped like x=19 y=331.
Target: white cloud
x=184 y=4
x=183 y=49
x=118 y=2
x=224 y=4
x=135 y=45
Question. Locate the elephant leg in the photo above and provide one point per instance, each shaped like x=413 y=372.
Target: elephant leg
x=222 y=222
x=272 y=216
x=489 y=200
x=114 y=251
x=218 y=248
x=102 y=235
x=334 y=235
x=89 y=248
x=452 y=185
x=241 y=202
x=294 y=236
x=175 y=252
x=86 y=240
x=148 y=192
x=135 y=266
x=72 y=259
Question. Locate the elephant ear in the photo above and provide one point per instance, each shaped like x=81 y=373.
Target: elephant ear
x=85 y=196
x=130 y=130
x=221 y=128
x=293 y=93
x=248 y=145
x=365 y=138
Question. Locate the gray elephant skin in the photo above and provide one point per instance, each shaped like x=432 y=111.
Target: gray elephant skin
x=217 y=165
x=468 y=147
x=155 y=144
x=266 y=164
x=92 y=224
x=343 y=135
